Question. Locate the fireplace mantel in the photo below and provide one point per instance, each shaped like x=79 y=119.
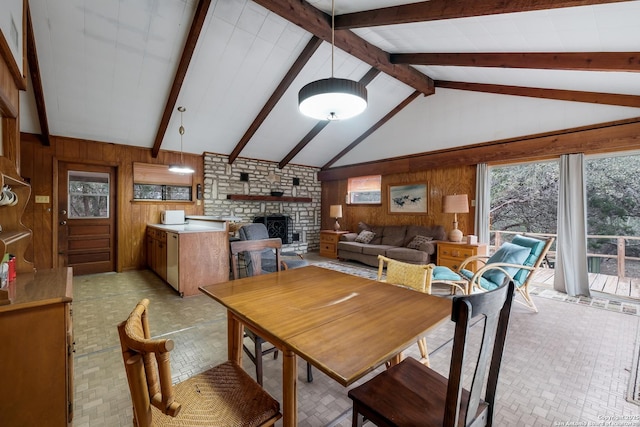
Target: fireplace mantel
x=266 y=198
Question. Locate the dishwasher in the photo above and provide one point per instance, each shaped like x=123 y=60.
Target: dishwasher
x=173 y=274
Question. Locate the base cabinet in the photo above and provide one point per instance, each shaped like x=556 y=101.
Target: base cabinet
x=195 y=258
x=329 y=243
x=36 y=364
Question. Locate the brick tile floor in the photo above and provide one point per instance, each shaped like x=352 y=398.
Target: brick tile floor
x=568 y=363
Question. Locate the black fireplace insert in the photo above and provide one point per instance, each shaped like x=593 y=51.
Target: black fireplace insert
x=277 y=226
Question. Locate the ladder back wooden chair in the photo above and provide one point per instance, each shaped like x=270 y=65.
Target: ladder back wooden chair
x=221 y=396
x=411 y=394
x=253 y=252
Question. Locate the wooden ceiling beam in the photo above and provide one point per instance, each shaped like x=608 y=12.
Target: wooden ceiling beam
x=558 y=94
x=277 y=94
x=365 y=80
x=318 y=23
x=622 y=135
x=434 y=10
x=36 y=81
x=372 y=129
x=583 y=61
x=183 y=66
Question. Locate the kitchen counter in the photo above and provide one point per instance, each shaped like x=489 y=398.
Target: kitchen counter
x=188 y=227
x=189 y=255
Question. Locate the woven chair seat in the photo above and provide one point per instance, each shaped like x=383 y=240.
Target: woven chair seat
x=223 y=396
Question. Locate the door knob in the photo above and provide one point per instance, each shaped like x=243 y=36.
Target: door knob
x=63 y=222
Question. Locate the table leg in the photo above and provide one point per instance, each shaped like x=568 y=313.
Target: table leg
x=235 y=334
x=289 y=389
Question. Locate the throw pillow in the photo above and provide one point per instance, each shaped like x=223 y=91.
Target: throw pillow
x=365 y=236
x=509 y=254
x=417 y=241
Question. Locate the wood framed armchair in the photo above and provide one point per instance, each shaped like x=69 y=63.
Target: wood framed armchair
x=517 y=260
x=221 y=396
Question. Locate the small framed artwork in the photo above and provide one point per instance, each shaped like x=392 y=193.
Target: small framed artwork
x=408 y=199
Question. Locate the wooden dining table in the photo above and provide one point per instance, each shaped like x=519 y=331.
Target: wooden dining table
x=344 y=325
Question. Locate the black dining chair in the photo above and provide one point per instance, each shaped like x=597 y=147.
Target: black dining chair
x=412 y=394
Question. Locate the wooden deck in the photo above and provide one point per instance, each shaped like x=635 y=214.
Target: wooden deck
x=622 y=286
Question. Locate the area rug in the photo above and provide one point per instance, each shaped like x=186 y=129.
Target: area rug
x=367 y=272
x=624 y=307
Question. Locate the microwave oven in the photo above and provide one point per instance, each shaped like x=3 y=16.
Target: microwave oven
x=172 y=217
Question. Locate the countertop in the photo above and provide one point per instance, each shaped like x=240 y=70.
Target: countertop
x=189 y=228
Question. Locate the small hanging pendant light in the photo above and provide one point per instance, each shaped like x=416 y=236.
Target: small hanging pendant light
x=181 y=168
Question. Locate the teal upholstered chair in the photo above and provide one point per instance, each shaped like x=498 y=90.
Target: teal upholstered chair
x=517 y=260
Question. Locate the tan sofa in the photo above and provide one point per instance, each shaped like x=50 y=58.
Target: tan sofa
x=391 y=241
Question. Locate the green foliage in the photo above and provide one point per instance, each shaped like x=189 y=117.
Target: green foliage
x=524 y=198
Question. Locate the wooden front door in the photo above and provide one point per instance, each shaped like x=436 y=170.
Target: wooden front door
x=86 y=218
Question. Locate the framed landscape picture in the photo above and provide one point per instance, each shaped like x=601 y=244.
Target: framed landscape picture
x=408 y=199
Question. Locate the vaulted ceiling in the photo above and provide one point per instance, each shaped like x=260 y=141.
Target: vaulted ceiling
x=440 y=74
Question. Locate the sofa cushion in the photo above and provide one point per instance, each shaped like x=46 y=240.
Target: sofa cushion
x=365 y=236
x=351 y=246
x=536 y=246
x=507 y=253
x=417 y=241
x=376 y=249
x=412 y=256
x=394 y=235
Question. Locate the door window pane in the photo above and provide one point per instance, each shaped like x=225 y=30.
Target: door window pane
x=88 y=195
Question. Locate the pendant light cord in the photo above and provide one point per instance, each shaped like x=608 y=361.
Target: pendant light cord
x=333 y=30
x=181 y=130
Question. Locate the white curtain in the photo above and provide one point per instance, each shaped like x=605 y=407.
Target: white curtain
x=483 y=202
x=571 y=256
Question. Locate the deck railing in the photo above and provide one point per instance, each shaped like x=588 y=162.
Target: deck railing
x=594 y=259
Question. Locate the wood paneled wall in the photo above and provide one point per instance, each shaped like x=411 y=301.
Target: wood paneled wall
x=440 y=182
x=38 y=165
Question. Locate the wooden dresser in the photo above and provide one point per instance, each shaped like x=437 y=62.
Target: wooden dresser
x=451 y=254
x=329 y=243
x=36 y=364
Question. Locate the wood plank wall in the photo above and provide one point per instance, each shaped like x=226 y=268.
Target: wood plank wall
x=38 y=164
x=440 y=182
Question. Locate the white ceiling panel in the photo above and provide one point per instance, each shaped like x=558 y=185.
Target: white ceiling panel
x=478 y=117
x=108 y=66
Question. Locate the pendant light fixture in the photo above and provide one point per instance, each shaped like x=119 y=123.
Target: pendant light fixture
x=333 y=98
x=181 y=168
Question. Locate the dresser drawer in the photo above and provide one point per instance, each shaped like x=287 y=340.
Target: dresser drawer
x=328 y=247
x=458 y=253
x=452 y=263
x=453 y=254
x=329 y=238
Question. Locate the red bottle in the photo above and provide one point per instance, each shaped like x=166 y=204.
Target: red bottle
x=12 y=268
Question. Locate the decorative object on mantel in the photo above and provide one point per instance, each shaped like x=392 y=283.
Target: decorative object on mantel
x=272 y=178
x=335 y=211
x=455 y=204
x=332 y=98
x=181 y=168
